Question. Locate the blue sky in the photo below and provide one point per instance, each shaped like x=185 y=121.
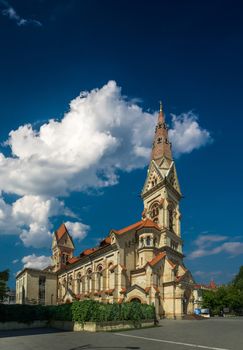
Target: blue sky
x=88 y=167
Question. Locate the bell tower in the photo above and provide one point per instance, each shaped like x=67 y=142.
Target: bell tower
x=161 y=192
x=62 y=248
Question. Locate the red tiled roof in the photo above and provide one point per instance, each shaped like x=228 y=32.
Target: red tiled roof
x=73 y=260
x=128 y=228
x=105 y=241
x=148 y=223
x=108 y=240
x=88 y=251
x=212 y=285
x=138 y=225
x=123 y=290
x=60 y=232
x=157 y=258
x=109 y=291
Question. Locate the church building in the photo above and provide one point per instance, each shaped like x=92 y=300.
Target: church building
x=142 y=262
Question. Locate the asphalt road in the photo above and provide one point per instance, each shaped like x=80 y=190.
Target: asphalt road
x=214 y=334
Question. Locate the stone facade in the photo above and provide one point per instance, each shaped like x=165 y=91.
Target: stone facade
x=36 y=287
x=142 y=262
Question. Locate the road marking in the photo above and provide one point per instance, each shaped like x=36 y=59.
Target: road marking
x=171 y=342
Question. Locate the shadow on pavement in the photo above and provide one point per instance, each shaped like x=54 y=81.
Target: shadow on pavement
x=26 y=332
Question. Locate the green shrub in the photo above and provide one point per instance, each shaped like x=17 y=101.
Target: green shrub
x=90 y=310
x=59 y=312
x=78 y=311
x=22 y=313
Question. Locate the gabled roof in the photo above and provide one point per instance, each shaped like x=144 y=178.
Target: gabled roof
x=137 y=226
x=61 y=231
x=128 y=228
x=148 y=223
x=157 y=258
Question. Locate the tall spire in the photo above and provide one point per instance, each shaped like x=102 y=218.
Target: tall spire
x=161 y=145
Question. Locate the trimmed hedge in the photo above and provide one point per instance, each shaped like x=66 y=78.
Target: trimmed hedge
x=22 y=313
x=94 y=311
x=78 y=311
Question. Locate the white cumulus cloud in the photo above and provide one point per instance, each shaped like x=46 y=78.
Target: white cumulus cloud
x=186 y=134
x=102 y=133
x=36 y=262
x=77 y=229
x=29 y=217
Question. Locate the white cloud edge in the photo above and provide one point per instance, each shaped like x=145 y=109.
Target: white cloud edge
x=11 y=13
x=102 y=133
x=206 y=245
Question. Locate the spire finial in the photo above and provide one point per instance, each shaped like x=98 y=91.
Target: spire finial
x=160 y=106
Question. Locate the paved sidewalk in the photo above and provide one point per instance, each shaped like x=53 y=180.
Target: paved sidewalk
x=212 y=334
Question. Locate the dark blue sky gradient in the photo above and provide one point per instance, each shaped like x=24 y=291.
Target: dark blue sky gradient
x=187 y=53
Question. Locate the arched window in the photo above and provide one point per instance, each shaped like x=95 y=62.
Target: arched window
x=99 y=277
x=111 y=277
x=171 y=213
x=154 y=210
x=148 y=241
x=78 y=283
x=70 y=282
x=89 y=280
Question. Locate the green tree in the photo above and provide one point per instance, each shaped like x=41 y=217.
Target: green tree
x=228 y=296
x=4 y=276
x=238 y=280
